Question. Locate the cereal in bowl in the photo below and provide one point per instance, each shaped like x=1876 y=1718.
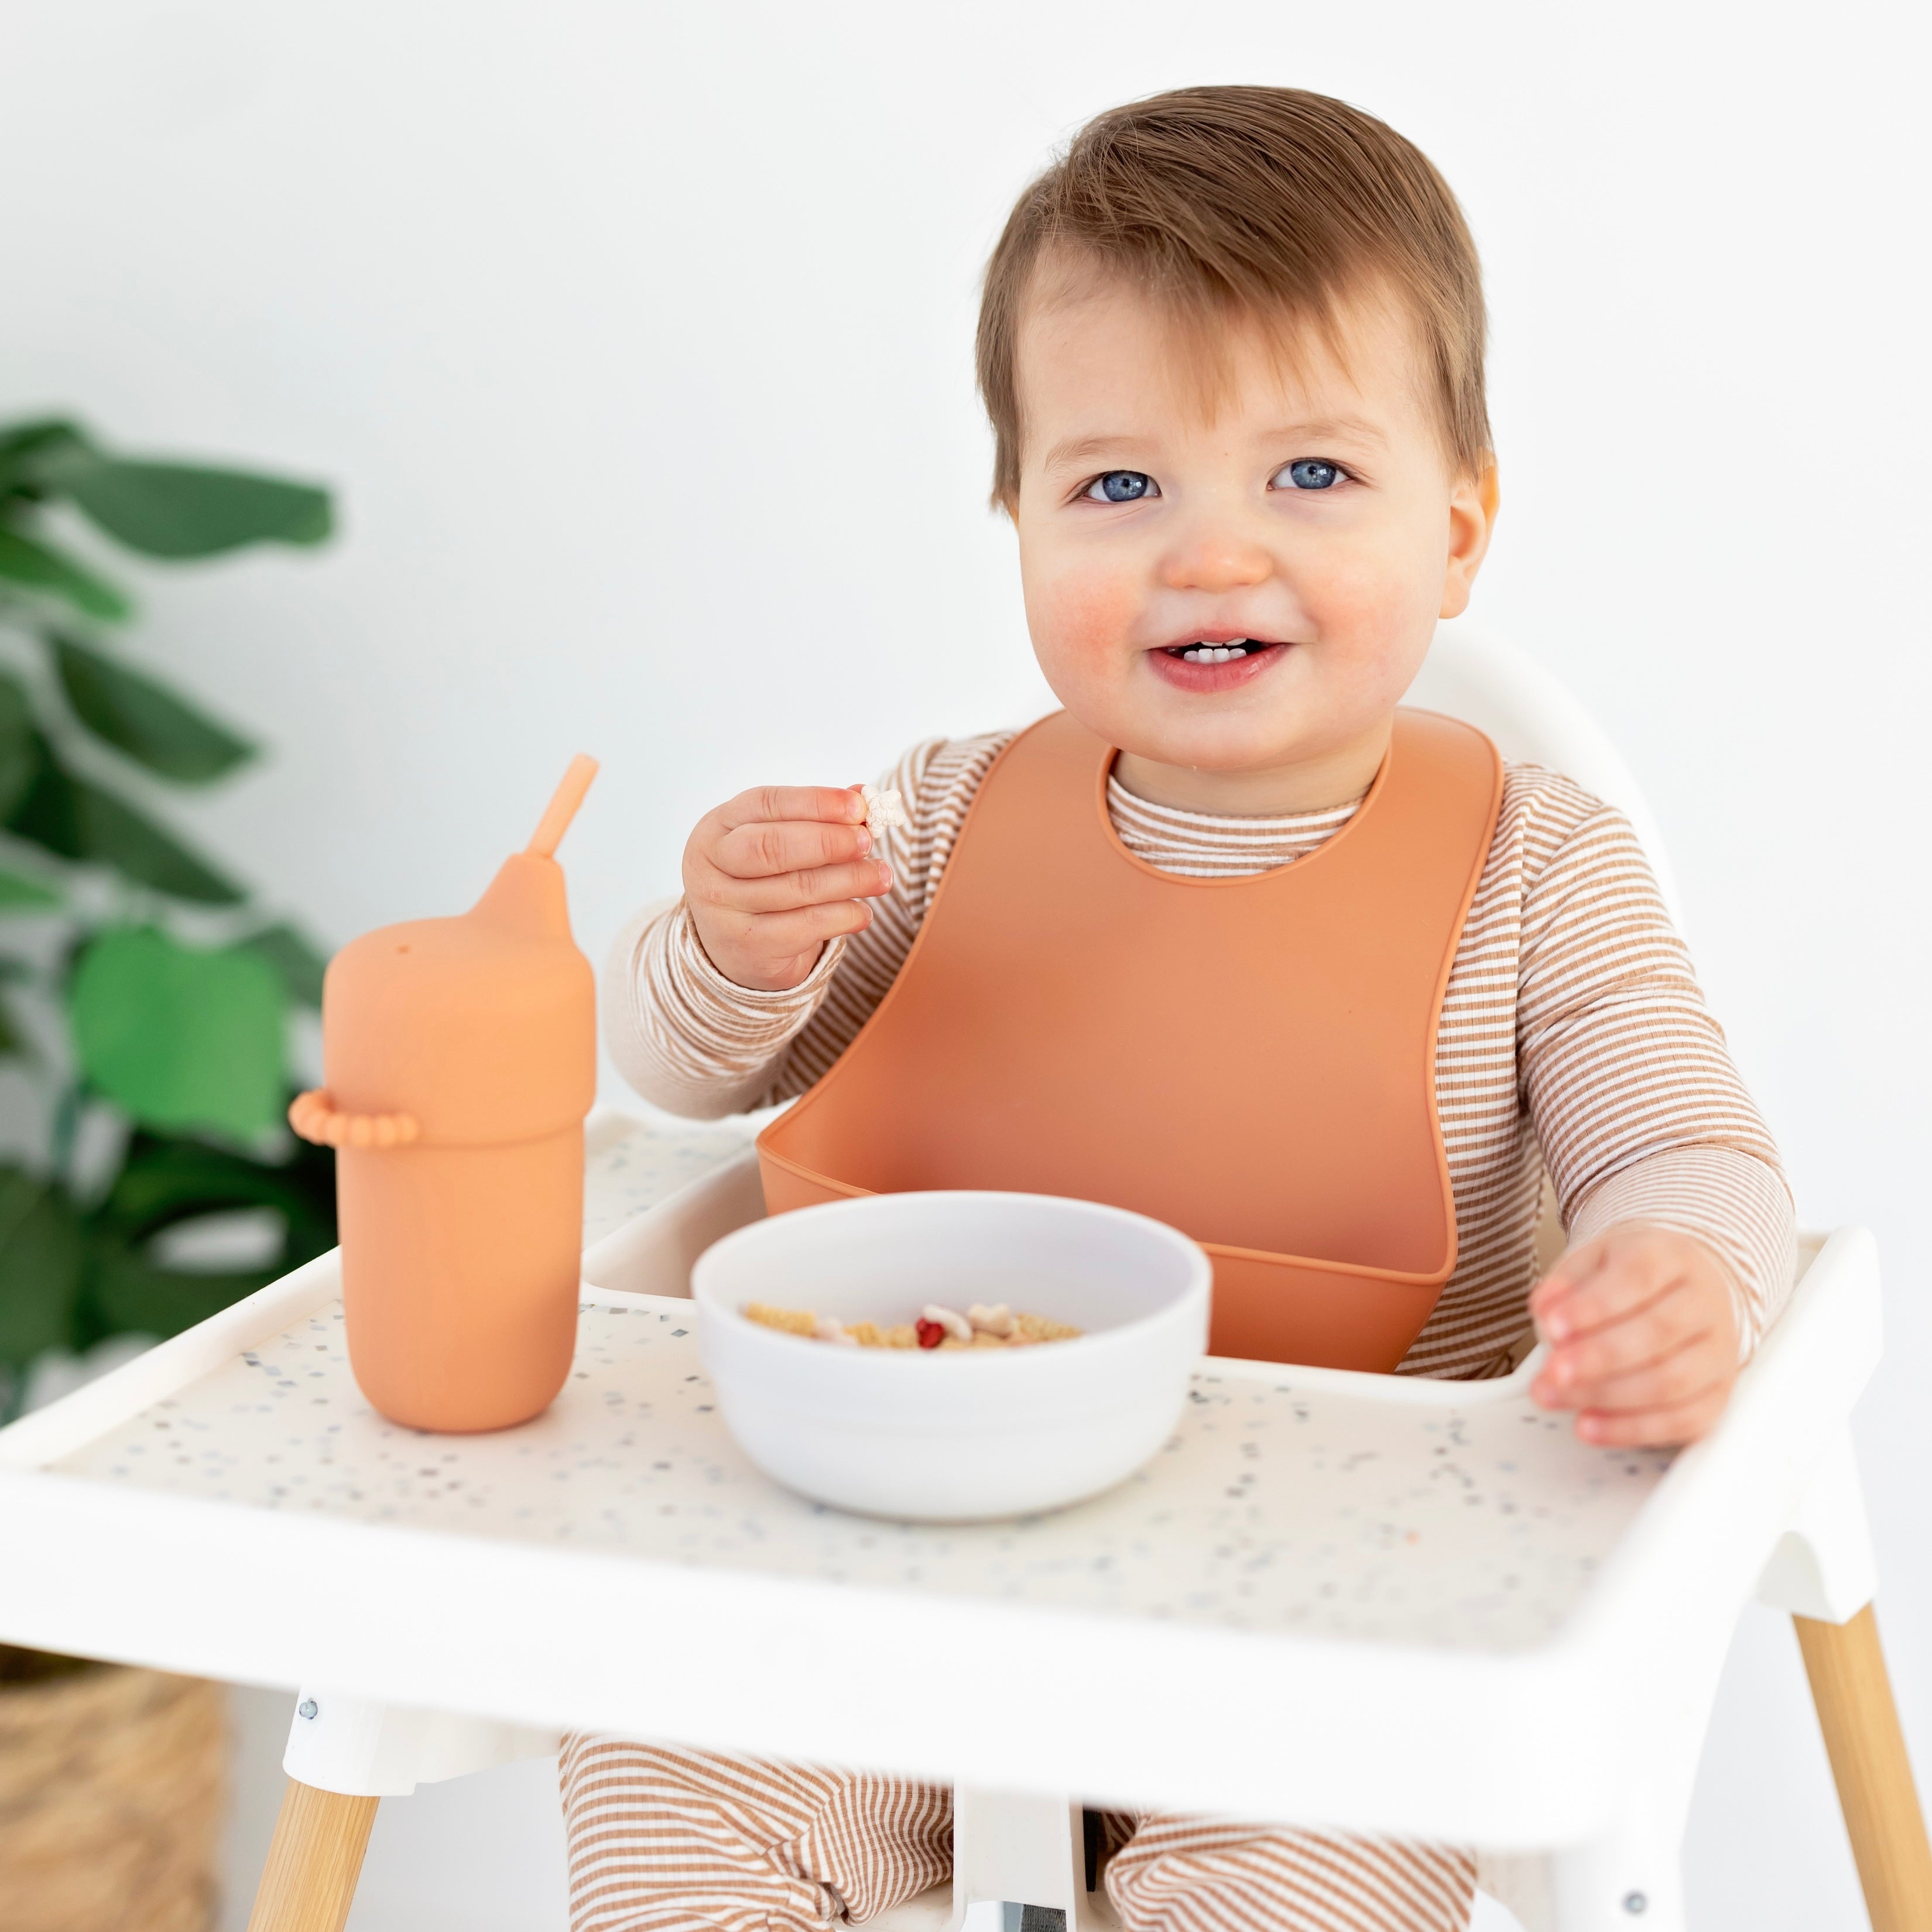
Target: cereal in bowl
x=981 y=1327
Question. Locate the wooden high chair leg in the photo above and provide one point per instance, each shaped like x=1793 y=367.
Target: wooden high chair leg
x=1862 y=1738
x=309 y=1881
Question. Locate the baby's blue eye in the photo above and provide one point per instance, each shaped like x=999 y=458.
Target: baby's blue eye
x=1122 y=486
x=1309 y=473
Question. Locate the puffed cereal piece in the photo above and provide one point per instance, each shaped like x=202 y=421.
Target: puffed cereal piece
x=791 y=1321
x=884 y=810
x=1042 y=1328
x=955 y=1324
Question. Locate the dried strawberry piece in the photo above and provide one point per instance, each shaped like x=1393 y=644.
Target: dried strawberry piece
x=931 y=1334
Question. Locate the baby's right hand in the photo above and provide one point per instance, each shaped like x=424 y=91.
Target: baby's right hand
x=772 y=876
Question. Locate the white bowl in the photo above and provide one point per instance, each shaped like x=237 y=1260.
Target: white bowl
x=949 y=1435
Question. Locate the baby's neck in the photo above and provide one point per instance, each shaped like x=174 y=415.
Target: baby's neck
x=1273 y=791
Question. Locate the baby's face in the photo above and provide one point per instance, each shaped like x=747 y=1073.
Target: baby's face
x=1237 y=599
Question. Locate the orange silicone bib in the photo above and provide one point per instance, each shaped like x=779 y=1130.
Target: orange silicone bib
x=1250 y=1060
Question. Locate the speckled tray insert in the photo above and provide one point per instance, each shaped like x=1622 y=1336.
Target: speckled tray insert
x=630 y=1165
x=1273 y=1507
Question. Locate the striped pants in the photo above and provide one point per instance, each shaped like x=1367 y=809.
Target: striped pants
x=671 y=1840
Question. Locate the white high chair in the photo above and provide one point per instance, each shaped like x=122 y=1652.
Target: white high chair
x=283 y=1536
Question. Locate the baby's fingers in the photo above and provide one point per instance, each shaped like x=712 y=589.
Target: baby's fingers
x=864 y=879
x=1642 y=1364
x=1602 y=1282
x=1680 y=1377
x=1650 y=1334
x=1665 y=1426
x=771 y=848
x=835 y=805
x=1642 y=1335
x=776 y=949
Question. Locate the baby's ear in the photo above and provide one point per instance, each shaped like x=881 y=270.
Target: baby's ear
x=1474 y=502
x=1491 y=485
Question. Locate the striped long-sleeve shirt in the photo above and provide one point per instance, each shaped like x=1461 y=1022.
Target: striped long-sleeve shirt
x=1573 y=1037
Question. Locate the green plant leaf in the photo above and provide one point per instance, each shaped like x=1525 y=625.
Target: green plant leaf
x=74 y=818
x=39 y=1267
x=290 y=952
x=36 y=433
x=184 y=509
x=18 y=758
x=166 y=1180
x=18 y=893
x=25 y=559
x=25 y=445
x=145 y=719
x=130 y=1295
x=179 y=1036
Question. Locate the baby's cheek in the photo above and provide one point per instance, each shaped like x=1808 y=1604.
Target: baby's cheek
x=1358 y=590
x=1080 y=621
x=1367 y=610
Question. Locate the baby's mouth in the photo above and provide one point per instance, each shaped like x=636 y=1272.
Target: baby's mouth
x=1204 y=652
x=1210 y=666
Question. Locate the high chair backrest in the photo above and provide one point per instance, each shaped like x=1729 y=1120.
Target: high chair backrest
x=1534 y=720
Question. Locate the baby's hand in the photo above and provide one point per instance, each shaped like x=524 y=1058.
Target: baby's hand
x=1643 y=1337
x=772 y=876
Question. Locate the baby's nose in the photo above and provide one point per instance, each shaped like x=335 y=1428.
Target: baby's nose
x=1216 y=560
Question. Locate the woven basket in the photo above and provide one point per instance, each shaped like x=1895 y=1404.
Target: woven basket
x=111 y=1791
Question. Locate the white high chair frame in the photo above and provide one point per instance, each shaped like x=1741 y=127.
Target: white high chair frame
x=1581 y=1829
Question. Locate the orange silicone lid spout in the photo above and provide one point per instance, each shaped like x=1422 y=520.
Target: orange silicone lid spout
x=561 y=807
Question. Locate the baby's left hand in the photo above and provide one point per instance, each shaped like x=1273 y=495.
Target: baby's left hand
x=1643 y=1337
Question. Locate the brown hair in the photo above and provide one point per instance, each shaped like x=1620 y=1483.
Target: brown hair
x=1227 y=202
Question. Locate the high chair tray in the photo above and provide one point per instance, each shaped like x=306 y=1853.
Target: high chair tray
x=1315 y=1556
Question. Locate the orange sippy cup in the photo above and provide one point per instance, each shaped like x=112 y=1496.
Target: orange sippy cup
x=461 y=1055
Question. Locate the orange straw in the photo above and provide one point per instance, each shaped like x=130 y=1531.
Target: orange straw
x=562 y=807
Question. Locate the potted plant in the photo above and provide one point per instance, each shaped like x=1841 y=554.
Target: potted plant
x=146 y=996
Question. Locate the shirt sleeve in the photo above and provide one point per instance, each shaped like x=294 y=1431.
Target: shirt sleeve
x=1637 y=1105
x=695 y=1043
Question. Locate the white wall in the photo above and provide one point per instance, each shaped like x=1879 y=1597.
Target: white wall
x=636 y=338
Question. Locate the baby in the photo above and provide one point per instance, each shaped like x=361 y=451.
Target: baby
x=1232 y=346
